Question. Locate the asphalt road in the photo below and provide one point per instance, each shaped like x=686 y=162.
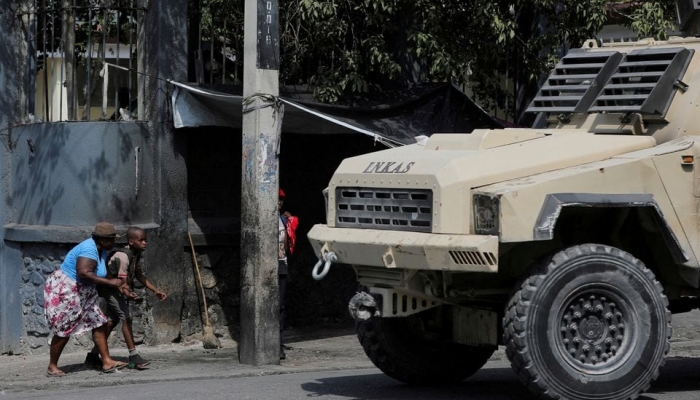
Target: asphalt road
x=678 y=381
x=325 y=367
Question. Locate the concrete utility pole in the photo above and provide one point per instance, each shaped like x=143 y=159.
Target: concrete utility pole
x=260 y=335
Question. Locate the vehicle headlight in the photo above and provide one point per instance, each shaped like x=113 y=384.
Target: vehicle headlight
x=486 y=212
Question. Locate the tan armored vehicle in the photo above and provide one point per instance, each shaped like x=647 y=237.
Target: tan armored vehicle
x=570 y=245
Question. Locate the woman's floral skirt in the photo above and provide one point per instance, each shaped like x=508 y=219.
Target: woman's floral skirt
x=71 y=307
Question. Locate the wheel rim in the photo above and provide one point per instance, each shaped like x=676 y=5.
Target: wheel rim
x=597 y=329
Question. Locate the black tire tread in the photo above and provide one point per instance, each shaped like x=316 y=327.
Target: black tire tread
x=430 y=364
x=514 y=319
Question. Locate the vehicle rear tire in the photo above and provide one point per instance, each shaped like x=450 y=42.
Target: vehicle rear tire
x=400 y=348
x=591 y=322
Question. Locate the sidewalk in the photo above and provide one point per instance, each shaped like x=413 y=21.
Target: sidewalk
x=332 y=348
x=320 y=349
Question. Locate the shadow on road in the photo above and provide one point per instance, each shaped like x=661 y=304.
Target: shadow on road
x=678 y=375
x=319 y=332
x=491 y=384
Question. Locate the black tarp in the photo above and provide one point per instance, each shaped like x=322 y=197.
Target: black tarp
x=397 y=118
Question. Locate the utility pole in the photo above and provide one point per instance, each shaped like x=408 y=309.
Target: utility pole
x=262 y=117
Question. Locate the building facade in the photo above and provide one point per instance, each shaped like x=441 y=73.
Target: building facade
x=87 y=135
x=62 y=176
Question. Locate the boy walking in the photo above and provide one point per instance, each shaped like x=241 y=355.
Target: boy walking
x=125 y=263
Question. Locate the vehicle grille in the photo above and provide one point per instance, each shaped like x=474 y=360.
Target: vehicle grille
x=388 y=209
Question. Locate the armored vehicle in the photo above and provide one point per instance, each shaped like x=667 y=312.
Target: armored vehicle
x=571 y=244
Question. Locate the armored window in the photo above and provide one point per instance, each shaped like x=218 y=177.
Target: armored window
x=644 y=82
x=575 y=82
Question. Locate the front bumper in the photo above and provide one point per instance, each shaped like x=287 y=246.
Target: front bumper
x=409 y=250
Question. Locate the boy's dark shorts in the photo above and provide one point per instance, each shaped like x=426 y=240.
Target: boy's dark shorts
x=114 y=306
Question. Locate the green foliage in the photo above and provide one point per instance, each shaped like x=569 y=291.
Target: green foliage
x=356 y=46
x=650 y=18
x=350 y=47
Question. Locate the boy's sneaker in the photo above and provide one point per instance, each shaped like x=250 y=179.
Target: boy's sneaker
x=93 y=360
x=138 y=360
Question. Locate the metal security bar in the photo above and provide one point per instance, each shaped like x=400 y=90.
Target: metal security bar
x=575 y=82
x=644 y=82
x=68 y=43
x=641 y=81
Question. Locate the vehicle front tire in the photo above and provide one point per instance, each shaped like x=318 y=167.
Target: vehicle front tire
x=591 y=322
x=402 y=350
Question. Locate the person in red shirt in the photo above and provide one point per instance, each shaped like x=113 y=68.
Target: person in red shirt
x=287 y=240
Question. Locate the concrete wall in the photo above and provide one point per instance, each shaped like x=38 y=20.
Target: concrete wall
x=59 y=179
x=64 y=177
x=13 y=106
x=75 y=174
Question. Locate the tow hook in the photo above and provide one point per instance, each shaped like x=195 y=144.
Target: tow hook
x=330 y=258
x=363 y=306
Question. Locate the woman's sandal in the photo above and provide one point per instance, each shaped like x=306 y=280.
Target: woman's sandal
x=118 y=365
x=57 y=373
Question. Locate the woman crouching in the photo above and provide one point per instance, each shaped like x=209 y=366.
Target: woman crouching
x=71 y=301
